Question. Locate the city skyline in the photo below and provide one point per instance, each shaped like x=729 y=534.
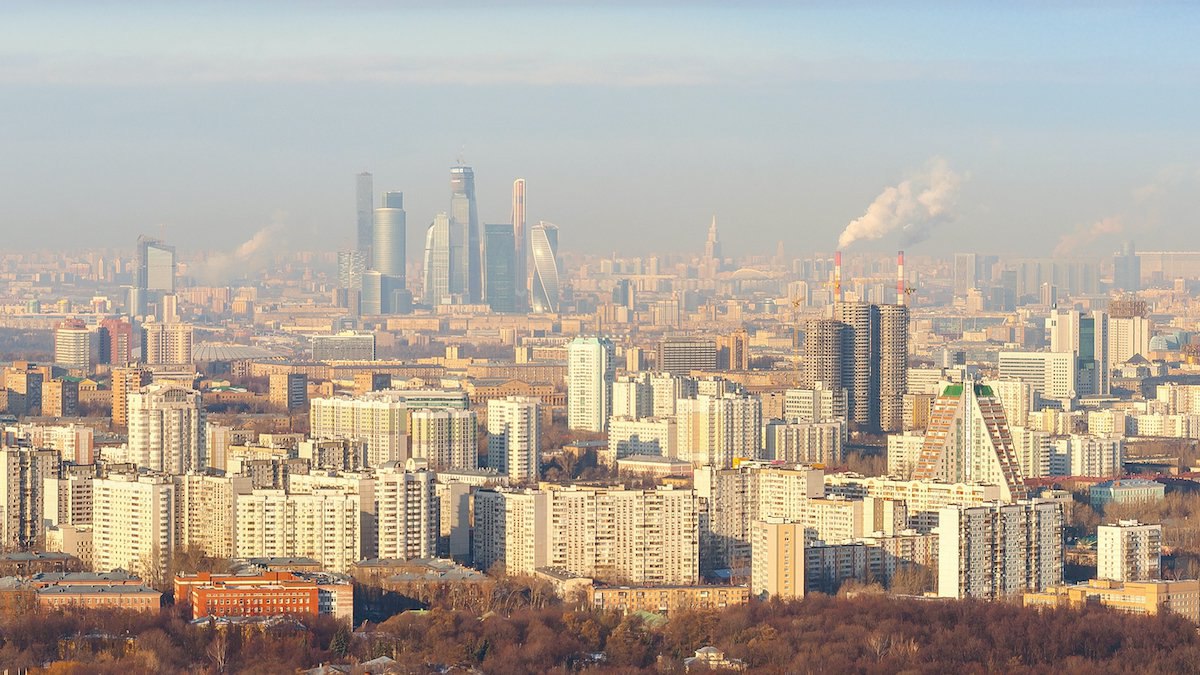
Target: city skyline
x=1008 y=110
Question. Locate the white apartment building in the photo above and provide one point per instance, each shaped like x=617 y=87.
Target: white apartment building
x=1087 y=455
x=1033 y=448
x=204 y=512
x=167 y=429
x=1052 y=374
x=819 y=404
x=1018 y=399
x=805 y=442
x=132 y=524
x=510 y=530
x=591 y=369
x=645 y=436
x=23 y=474
x=924 y=500
x=323 y=525
x=1129 y=551
x=1129 y=336
x=633 y=397
x=360 y=485
x=381 y=422
x=514 y=426
x=777 y=549
x=996 y=551
x=408 y=512
x=713 y=431
x=903 y=453
x=445 y=438
x=67 y=500
x=666 y=389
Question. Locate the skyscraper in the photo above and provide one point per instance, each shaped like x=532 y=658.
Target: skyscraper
x=860 y=360
x=591 y=369
x=167 y=429
x=968 y=441
x=155 y=273
x=464 y=238
x=364 y=199
x=520 y=246
x=1085 y=335
x=1127 y=269
x=893 y=365
x=438 y=261
x=389 y=236
x=500 y=276
x=351 y=265
x=712 y=247
x=544 y=291
x=824 y=346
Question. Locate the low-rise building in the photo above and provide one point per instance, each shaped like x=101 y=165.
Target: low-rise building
x=1125 y=491
x=1137 y=597
x=92 y=596
x=668 y=599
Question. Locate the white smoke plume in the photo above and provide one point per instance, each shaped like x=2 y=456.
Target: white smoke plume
x=1083 y=236
x=250 y=256
x=911 y=208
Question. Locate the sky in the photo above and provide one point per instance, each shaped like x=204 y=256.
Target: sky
x=1068 y=126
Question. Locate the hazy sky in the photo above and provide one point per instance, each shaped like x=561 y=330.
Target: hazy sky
x=631 y=125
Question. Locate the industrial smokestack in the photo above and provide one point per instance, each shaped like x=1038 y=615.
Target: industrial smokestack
x=900 y=290
x=837 y=276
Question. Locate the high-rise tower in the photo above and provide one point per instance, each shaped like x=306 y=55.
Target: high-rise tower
x=464 y=240
x=438 y=261
x=520 y=246
x=712 y=247
x=389 y=236
x=591 y=370
x=544 y=291
x=893 y=365
x=155 y=273
x=968 y=441
x=860 y=360
x=499 y=276
x=364 y=201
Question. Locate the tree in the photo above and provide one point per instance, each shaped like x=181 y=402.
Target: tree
x=340 y=644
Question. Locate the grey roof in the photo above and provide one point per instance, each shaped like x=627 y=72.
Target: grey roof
x=92 y=589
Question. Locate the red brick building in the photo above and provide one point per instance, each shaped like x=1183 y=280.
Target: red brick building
x=266 y=594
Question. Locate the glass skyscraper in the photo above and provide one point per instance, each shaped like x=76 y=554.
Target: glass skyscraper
x=388 y=241
x=464 y=237
x=544 y=291
x=155 y=273
x=438 y=262
x=364 y=200
x=520 y=245
x=499 y=266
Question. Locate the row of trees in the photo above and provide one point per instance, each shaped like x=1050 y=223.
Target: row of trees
x=868 y=633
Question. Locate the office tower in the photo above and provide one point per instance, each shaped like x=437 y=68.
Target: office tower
x=716 y=431
x=439 y=262
x=998 y=551
x=499 y=263
x=24 y=387
x=514 y=427
x=1052 y=374
x=166 y=343
x=968 y=441
x=371 y=298
x=167 y=429
x=805 y=442
x=1129 y=329
x=591 y=370
x=387 y=243
x=155 y=273
x=124 y=382
x=116 y=341
x=446 y=439
x=76 y=346
x=1086 y=336
x=204 y=510
x=60 y=398
x=133 y=525
x=324 y=525
x=381 y=423
x=520 y=246
x=1127 y=269
x=351 y=265
x=733 y=350
x=816 y=404
x=860 y=361
x=1129 y=551
x=407 y=507
x=23 y=473
x=544 y=286
x=288 y=391
x=679 y=355
x=825 y=342
x=464 y=236
x=712 y=246
x=966 y=273
x=343 y=346
x=777 y=552
x=364 y=201
x=892 y=365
